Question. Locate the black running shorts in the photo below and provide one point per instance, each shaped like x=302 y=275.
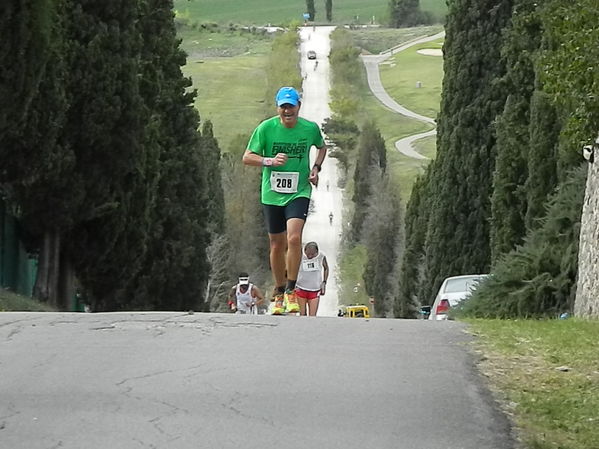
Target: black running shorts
x=276 y=216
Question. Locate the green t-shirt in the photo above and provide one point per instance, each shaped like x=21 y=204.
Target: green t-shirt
x=280 y=185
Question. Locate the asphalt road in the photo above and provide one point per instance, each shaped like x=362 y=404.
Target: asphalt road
x=223 y=381
x=179 y=381
x=315 y=107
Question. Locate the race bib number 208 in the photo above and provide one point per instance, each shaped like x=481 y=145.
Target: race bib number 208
x=284 y=182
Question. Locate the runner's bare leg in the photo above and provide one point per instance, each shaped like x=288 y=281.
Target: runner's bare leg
x=295 y=226
x=278 y=247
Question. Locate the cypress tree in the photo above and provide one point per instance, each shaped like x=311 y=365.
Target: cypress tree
x=36 y=166
x=404 y=13
x=510 y=200
x=328 y=5
x=537 y=279
x=568 y=70
x=542 y=157
x=412 y=264
x=26 y=34
x=216 y=200
x=371 y=154
x=383 y=242
x=310 y=9
x=457 y=239
x=105 y=128
x=175 y=269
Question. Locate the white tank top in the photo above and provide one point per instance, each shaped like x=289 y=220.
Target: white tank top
x=244 y=300
x=309 y=276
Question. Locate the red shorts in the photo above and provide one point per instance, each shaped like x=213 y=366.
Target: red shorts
x=307 y=294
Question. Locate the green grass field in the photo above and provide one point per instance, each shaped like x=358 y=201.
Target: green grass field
x=401 y=73
x=230 y=94
x=545 y=374
x=263 y=12
x=376 y=40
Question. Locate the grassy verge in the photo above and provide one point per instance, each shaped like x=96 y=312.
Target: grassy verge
x=11 y=302
x=376 y=40
x=216 y=42
x=228 y=69
x=230 y=94
x=276 y=12
x=546 y=374
x=401 y=74
x=262 y=12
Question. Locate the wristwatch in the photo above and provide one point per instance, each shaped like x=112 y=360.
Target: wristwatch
x=267 y=161
x=318 y=167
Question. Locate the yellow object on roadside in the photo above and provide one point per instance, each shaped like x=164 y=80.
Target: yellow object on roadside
x=357 y=311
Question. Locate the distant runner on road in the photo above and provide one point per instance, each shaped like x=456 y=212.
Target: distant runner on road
x=245 y=297
x=281 y=146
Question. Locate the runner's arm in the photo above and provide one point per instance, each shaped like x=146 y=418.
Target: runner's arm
x=325 y=277
x=257 y=160
x=256 y=293
x=232 y=302
x=322 y=152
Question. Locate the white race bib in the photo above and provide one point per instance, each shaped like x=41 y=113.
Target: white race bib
x=284 y=182
x=311 y=265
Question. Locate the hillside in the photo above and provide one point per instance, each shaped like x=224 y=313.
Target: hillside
x=263 y=12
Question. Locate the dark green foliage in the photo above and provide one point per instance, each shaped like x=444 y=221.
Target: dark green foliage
x=26 y=34
x=411 y=276
x=508 y=201
x=328 y=5
x=102 y=160
x=216 y=200
x=383 y=240
x=568 y=65
x=457 y=240
x=106 y=130
x=310 y=9
x=542 y=156
x=538 y=279
x=36 y=167
x=404 y=13
x=345 y=135
x=521 y=42
x=372 y=158
x=175 y=269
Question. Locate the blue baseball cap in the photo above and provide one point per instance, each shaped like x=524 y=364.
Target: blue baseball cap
x=287 y=95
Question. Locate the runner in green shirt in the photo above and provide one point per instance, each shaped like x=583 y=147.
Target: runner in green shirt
x=281 y=145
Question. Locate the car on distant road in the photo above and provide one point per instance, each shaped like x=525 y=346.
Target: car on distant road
x=311 y=54
x=453 y=290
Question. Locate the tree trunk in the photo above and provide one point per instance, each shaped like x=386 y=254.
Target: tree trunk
x=586 y=304
x=66 y=284
x=48 y=269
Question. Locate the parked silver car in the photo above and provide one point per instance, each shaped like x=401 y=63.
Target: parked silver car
x=453 y=290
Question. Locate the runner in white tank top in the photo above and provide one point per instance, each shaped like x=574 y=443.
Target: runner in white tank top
x=245 y=297
x=312 y=279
